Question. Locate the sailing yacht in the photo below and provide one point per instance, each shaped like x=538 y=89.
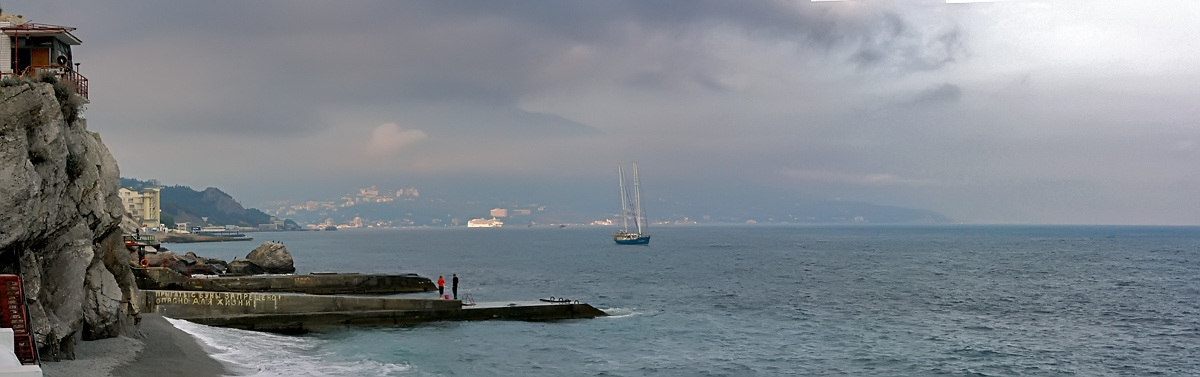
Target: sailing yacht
x=635 y=214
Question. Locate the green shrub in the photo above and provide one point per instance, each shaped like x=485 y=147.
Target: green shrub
x=69 y=102
x=74 y=166
x=47 y=76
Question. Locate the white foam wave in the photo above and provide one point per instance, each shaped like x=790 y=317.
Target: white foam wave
x=256 y=354
x=620 y=312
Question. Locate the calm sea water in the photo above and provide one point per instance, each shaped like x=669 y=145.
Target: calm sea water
x=762 y=300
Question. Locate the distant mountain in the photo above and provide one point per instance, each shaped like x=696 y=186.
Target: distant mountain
x=183 y=204
x=790 y=210
x=437 y=208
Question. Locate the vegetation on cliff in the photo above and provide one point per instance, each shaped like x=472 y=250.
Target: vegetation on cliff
x=69 y=103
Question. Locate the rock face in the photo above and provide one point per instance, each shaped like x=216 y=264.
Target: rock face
x=273 y=257
x=60 y=219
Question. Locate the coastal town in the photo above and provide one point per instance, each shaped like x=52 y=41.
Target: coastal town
x=409 y=207
x=324 y=214
x=145 y=203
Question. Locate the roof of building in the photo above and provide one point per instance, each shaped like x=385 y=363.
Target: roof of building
x=62 y=33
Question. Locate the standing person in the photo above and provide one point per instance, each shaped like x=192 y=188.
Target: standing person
x=454 y=285
x=441 y=287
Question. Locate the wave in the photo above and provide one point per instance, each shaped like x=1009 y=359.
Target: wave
x=256 y=354
x=620 y=312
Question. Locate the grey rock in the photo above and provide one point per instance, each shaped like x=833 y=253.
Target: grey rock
x=189 y=259
x=31 y=275
x=217 y=266
x=273 y=257
x=58 y=197
x=244 y=267
x=102 y=305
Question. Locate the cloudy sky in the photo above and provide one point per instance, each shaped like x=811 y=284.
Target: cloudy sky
x=1063 y=112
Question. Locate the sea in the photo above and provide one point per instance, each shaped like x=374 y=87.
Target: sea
x=759 y=300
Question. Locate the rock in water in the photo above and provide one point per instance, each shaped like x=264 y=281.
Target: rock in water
x=272 y=257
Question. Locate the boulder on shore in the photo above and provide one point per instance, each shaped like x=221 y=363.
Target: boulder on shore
x=273 y=257
x=215 y=266
x=244 y=267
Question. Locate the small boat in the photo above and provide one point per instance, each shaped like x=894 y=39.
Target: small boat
x=631 y=197
x=559 y=300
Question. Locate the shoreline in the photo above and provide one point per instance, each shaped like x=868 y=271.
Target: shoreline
x=164 y=350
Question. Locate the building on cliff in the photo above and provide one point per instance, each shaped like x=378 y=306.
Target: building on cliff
x=142 y=205
x=28 y=49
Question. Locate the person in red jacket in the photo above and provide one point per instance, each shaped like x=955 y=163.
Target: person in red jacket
x=441 y=286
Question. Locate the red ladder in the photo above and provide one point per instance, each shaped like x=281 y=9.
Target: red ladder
x=14 y=315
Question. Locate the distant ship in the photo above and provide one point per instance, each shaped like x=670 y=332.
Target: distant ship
x=331 y=227
x=484 y=223
x=635 y=214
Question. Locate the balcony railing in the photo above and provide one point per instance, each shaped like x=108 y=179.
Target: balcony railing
x=64 y=73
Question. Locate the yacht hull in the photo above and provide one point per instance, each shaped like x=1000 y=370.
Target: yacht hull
x=639 y=240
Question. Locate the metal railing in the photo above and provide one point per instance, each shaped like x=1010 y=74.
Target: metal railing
x=64 y=73
x=145 y=239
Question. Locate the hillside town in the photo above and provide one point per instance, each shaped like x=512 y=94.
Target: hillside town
x=405 y=206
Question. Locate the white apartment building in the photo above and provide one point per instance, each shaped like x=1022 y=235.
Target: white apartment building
x=143 y=205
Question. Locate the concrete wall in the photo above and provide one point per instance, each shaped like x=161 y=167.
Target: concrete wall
x=158 y=278
x=188 y=305
x=299 y=313
x=6 y=65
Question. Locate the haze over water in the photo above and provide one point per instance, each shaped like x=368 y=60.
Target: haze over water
x=765 y=300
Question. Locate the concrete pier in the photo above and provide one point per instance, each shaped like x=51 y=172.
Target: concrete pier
x=300 y=313
x=159 y=278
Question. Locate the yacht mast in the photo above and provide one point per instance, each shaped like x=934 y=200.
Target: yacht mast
x=637 y=199
x=624 y=201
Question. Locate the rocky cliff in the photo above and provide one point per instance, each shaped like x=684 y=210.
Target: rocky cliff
x=60 y=220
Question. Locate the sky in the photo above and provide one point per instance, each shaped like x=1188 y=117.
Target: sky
x=1025 y=112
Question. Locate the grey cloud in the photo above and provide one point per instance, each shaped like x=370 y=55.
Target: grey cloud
x=496 y=52
x=943 y=93
x=479 y=121
x=895 y=44
x=249 y=121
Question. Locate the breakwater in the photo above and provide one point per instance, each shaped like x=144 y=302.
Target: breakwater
x=192 y=238
x=300 y=313
x=160 y=278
